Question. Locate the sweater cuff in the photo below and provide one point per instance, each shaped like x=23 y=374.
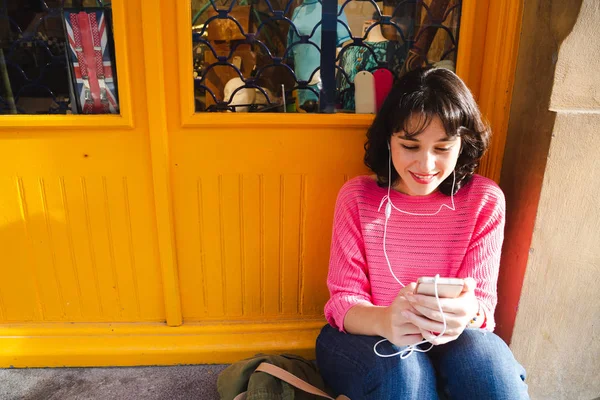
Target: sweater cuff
x=337 y=308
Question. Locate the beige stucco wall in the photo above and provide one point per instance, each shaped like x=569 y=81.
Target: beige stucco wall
x=557 y=329
x=577 y=76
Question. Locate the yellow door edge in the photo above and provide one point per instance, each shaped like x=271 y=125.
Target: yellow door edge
x=87 y=345
x=160 y=159
x=498 y=75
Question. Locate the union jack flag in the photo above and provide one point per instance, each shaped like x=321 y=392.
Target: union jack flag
x=91 y=60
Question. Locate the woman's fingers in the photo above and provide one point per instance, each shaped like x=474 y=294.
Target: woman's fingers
x=409 y=329
x=452 y=320
x=470 y=285
x=405 y=334
x=422 y=322
x=407 y=340
x=408 y=289
x=456 y=306
x=434 y=339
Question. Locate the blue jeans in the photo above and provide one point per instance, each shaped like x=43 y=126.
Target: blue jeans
x=477 y=366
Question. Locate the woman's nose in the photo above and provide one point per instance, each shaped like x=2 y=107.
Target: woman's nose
x=427 y=161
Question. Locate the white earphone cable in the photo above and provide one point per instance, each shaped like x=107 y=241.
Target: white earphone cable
x=409 y=350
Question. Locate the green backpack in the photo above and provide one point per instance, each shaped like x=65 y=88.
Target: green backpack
x=272 y=377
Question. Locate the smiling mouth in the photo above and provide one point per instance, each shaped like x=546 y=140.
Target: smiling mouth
x=423 y=179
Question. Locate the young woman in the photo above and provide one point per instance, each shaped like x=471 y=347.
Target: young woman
x=423 y=213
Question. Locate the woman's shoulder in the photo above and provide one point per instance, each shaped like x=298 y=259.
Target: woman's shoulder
x=361 y=188
x=360 y=184
x=484 y=191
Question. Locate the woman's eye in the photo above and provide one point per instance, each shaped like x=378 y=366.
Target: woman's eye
x=410 y=147
x=443 y=149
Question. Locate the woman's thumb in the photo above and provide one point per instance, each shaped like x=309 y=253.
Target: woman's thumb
x=410 y=288
x=470 y=285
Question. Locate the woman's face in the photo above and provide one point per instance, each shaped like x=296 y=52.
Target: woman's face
x=423 y=161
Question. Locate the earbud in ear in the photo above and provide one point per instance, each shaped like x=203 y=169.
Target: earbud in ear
x=388 y=143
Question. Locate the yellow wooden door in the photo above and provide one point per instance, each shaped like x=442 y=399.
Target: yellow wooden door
x=165 y=236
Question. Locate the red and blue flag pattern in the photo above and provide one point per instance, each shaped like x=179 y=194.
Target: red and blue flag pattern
x=91 y=59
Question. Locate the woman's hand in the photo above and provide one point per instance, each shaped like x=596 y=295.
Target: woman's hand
x=398 y=329
x=458 y=313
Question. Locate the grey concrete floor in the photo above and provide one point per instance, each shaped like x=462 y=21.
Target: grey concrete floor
x=198 y=382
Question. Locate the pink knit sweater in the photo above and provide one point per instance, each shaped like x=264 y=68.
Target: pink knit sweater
x=462 y=243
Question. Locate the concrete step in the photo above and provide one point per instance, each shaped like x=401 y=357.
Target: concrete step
x=198 y=382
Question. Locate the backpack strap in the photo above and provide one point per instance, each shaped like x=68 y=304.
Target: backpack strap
x=293 y=380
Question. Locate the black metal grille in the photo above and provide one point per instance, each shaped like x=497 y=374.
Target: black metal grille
x=269 y=22
x=417 y=32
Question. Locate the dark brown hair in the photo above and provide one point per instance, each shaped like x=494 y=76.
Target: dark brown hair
x=429 y=92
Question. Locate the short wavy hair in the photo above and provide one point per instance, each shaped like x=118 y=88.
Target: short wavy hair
x=429 y=92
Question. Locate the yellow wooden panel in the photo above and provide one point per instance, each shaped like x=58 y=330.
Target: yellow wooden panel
x=60 y=241
x=292 y=216
x=255 y=245
x=56 y=201
x=212 y=246
x=321 y=193
x=194 y=280
x=82 y=245
x=139 y=232
x=19 y=286
x=46 y=271
x=230 y=220
x=273 y=193
x=252 y=211
x=81 y=241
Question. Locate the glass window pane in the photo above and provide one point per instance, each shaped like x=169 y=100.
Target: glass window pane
x=390 y=39
x=57 y=57
x=265 y=55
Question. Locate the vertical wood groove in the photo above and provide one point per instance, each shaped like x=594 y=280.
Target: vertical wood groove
x=111 y=249
x=261 y=238
x=199 y=198
x=281 y=238
x=134 y=274
x=3 y=315
x=42 y=187
x=242 y=252
x=222 y=244
x=301 y=231
x=71 y=244
x=41 y=309
x=93 y=261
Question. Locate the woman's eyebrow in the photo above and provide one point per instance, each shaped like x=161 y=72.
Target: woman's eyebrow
x=447 y=139
x=442 y=139
x=411 y=138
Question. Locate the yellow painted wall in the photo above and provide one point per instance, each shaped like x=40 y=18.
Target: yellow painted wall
x=164 y=236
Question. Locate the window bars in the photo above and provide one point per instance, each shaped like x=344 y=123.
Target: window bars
x=306 y=54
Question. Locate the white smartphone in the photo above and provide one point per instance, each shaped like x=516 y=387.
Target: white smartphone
x=447 y=287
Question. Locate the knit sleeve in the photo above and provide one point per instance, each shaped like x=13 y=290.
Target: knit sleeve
x=482 y=260
x=347 y=279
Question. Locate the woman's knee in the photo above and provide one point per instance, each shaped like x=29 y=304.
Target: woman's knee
x=480 y=362
x=349 y=366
